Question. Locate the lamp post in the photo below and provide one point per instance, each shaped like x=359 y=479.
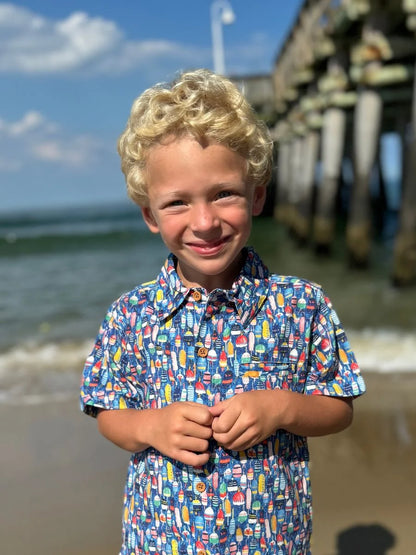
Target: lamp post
x=221 y=14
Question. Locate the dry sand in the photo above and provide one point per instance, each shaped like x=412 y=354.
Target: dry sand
x=61 y=483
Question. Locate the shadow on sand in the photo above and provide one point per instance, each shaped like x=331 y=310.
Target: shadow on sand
x=369 y=539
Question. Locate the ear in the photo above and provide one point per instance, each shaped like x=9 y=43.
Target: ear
x=149 y=219
x=259 y=199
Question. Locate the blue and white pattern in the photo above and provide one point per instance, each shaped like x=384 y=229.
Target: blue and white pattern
x=164 y=342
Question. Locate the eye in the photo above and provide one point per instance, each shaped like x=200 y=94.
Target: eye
x=174 y=203
x=224 y=194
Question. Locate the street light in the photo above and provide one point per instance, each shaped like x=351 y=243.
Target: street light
x=221 y=14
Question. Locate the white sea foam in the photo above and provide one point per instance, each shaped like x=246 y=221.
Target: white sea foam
x=33 y=373
x=33 y=357
x=384 y=350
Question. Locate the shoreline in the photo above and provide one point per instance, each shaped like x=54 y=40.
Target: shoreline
x=38 y=373
x=63 y=482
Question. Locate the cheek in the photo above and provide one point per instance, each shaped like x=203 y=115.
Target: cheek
x=171 y=227
x=241 y=217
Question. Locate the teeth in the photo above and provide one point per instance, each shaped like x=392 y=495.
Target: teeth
x=210 y=246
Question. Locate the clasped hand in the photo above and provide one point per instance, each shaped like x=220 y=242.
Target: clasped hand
x=183 y=429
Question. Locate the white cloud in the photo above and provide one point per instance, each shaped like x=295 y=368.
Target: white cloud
x=34 y=138
x=31 y=121
x=151 y=53
x=75 y=152
x=32 y=44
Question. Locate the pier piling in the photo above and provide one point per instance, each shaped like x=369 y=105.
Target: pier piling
x=346 y=69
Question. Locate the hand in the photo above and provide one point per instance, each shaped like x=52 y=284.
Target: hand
x=248 y=418
x=182 y=431
x=245 y=419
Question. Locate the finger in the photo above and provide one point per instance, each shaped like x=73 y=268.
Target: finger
x=227 y=419
x=226 y=439
x=237 y=429
x=192 y=429
x=192 y=459
x=199 y=414
x=193 y=444
x=219 y=408
x=236 y=443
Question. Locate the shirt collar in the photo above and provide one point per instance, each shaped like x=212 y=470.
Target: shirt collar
x=248 y=292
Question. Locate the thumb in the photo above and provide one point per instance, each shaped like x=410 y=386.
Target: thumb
x=219 y=408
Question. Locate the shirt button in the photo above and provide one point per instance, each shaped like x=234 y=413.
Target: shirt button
x=197 y=295
x=200 y=486
x=202 y=352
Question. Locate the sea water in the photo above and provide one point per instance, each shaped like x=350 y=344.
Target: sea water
x=60 y=271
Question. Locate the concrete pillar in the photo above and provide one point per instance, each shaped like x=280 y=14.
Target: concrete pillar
x=295 y=180
x=404 y=265
x=310 y=152
x=283 y=180
x=333 y=137
x=367 y=121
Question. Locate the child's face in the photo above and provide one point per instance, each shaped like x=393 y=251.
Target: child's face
x=202 y=205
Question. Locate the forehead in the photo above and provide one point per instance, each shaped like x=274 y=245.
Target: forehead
x=183 y=151
x=185 y=160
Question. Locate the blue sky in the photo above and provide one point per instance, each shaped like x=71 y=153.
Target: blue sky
x=70 y=71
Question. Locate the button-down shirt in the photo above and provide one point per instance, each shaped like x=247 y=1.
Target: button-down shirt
x=165 y=342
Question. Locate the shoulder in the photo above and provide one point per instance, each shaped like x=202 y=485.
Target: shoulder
x=135 y=300
x=292 y=292
x=296 y=285
x=296 y=296
x=141 y=293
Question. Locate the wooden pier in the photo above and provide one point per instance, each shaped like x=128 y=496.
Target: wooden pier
x=344 y=80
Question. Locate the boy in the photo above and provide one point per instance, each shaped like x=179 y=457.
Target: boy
x=221 y=369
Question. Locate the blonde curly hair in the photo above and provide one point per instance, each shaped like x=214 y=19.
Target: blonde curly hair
x=200 y=104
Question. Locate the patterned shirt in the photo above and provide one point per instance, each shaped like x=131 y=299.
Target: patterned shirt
x=164 y=342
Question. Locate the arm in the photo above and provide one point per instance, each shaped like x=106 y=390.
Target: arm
x=180 y=431
x=251 y=417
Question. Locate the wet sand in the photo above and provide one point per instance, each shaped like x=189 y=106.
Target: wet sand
x=363 y=479
x=61 y=483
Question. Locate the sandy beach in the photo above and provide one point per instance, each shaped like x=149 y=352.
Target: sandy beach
x=363 y=478
x=61 y=483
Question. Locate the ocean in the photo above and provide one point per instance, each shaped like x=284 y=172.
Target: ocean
x=61 y=269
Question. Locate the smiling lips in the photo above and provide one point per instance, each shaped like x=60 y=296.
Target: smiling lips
x=213 y=247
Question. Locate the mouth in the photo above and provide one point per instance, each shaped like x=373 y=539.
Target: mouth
x=208 y=247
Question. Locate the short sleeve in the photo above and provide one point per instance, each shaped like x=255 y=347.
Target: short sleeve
x=333 y=369
x=109 y=380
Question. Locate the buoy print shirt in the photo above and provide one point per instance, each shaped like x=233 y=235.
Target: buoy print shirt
x=164 y=342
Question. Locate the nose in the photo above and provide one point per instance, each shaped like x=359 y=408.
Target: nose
x=204 y=218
